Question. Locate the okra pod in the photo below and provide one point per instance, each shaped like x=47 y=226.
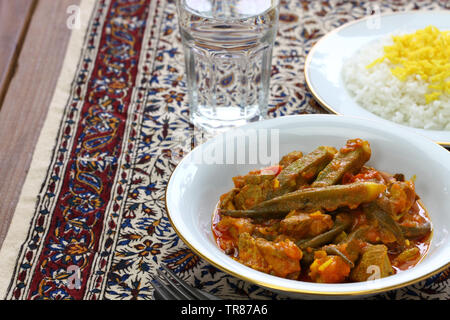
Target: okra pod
x=416 y=232
x=325 y=237
x=350 y=159
x=333 y=250
x=313 y=199
x=373 y=212
x=302 y=171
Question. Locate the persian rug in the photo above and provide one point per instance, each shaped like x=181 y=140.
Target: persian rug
x=93 y=201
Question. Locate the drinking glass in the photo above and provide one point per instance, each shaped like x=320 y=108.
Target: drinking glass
x=228 y=55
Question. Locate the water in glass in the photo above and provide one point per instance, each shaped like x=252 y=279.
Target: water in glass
x=228 y=52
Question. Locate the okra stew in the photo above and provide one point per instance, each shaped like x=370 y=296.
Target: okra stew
x=324 y=216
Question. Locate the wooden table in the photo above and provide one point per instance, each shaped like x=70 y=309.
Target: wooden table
x=33 y=40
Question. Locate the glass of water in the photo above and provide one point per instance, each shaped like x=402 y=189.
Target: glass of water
x=228 y=54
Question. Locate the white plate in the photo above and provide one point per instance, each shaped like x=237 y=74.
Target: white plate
x=195 y=187
x=324 y=62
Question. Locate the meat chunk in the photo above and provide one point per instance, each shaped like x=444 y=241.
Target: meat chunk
x=281 y=258
x=254 y=187
x=250 y=255
x=300 y=225
x=230 y=228
x=268 y=230
x=227 y=200
x=374 y=263
x=248 y=196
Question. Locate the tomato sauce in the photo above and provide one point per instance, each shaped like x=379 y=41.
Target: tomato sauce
x=417 y=213
x=230 y=232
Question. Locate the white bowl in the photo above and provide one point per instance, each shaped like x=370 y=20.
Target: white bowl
x=197 y=183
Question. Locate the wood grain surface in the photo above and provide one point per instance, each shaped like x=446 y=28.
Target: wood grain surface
x=14 y=20
x=28 y=97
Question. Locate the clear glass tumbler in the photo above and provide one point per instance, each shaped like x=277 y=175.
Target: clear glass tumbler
x=228 y=54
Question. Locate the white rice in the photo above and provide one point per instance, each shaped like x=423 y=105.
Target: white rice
x=380 y=92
